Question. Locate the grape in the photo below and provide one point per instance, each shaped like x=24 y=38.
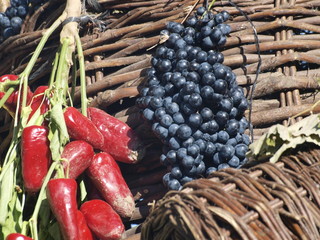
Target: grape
x=241 y=150
x=181 y=153
x=234 y=162
x=178 y=118
x=226 y=152
x=193 y=101
x=193 y=150
x=187 y=162
x=223 y=136
x=223 y=166
x=176 y=172
x=184 y=131
x=174 y=184
x=186 y=143
x=173 y=129
x=174 y=143
x=172 y=156
x=166 y=120
x=148 y=114
x=195 y=120
x=185 y=180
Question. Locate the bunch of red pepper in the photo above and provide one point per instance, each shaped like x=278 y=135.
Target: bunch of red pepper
x=96 y=143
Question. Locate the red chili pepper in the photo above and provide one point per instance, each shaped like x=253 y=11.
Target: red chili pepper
x=106 y=176
x=39 y=101
x=81 y=128
x=17 y=236
x=103 y=221
x=35 y=156
x=119 y=139
x=61 y=193
x=79 y=154
x=11 y=103
x=84 y=231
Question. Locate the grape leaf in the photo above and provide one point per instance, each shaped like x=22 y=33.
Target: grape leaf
x=280 y=138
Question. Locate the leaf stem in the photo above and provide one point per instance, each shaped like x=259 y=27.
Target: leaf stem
x=61 y=66
x=54 y=70
x=33 y=220
x=84 y=100
x=6 y=96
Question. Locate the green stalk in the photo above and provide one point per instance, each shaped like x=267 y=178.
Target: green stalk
x=41 y=44
x=54 y=69
x=9 y=159
x=33 y=221
x=84 y=100
x=211 y=5
x=73 y=79
x=62 y=64
x=6 y=96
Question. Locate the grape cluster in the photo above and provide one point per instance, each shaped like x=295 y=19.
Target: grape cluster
x=194 y=102
x=12 y=19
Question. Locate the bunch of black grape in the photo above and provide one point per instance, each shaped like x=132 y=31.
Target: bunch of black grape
x=194 y=102
x=12 y=19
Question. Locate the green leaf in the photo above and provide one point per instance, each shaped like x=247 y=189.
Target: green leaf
x=54 y=231
x=13 y=221
x=58 y=135
x=7 y=189
x=280 y=138
x=57 y=118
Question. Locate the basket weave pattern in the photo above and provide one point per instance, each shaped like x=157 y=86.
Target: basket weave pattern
x=268 y=201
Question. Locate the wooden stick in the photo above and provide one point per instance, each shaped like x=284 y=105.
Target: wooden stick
x=108 y=81
x=272 y=85
x=278 y=12
x=111 y=96
x=115 y=62
x=273 y=62
x=249 y=78
x=111 y=46
x=274 y=45
x=142 y=44
x=244 y=59
x=143 y=64
x=276 y=115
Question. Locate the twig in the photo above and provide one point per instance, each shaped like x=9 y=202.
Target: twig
x=115 y=62
x=275 y=115
x=111 y=96
x=271 y=63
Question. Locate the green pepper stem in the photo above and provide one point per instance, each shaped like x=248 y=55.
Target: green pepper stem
x=47 y=33
x=33 y=220
x=84 y=100
x=60 y=84
x=54 y=69
x=6 y=96
x=73 y=79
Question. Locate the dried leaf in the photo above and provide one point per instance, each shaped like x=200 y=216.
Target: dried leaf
x=280 y=138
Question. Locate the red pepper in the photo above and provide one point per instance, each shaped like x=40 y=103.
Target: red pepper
x=35 y=156
x=39 y=101
x=61 y=194
x=79 y=154
x=11 y=103
x=106 y=176
x=17 y=236
x=119 y=139
x=81 y=128
x=103 y=221
x=84 y=231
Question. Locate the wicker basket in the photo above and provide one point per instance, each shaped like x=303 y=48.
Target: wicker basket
x=118 y=52
x=267 y=201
